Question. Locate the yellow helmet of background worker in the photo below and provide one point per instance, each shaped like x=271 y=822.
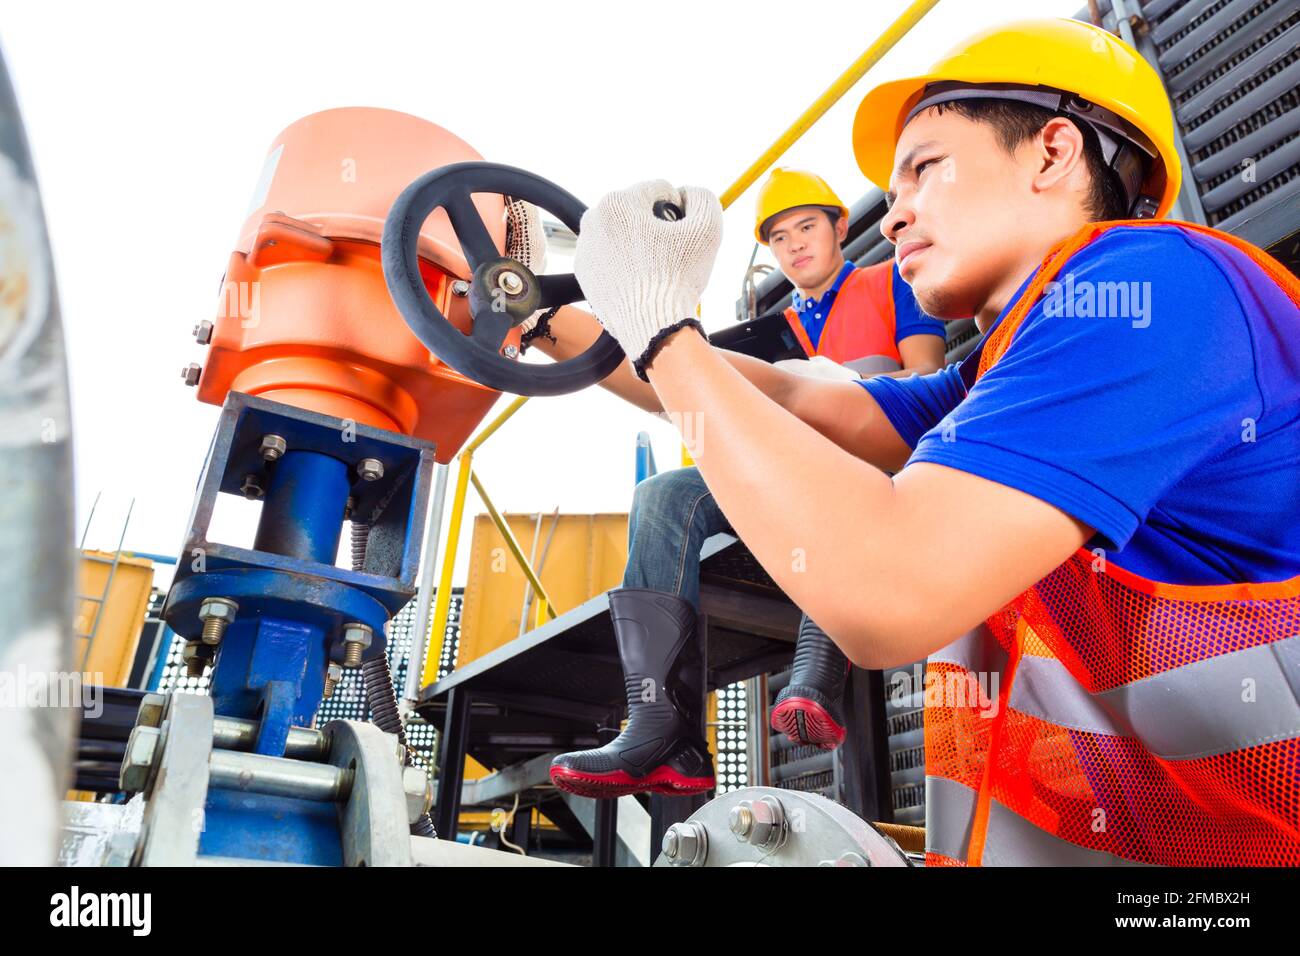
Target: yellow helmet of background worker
x=788 y=188
x=1123 y=99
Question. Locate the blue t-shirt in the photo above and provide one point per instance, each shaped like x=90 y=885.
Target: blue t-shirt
x=1164 y=412
x=908 y=317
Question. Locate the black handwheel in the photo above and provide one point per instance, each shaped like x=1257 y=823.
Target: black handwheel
x=503 y=292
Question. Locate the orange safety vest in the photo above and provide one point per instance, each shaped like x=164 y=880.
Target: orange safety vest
x=1101 y=718
x=861 y=323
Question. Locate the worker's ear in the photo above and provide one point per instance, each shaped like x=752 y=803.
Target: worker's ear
x=841 y=229
x=1058 y=153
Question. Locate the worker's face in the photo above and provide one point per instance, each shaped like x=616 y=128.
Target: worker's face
x=807 y=245
x=958 y=216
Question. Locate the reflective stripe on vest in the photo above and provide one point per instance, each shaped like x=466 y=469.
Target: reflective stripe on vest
x=1101 y=718
x=859 y=332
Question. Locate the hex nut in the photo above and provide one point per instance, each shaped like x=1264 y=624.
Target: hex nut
x=333 y=674
x=222 y=609
x=760 y=822
x=419 y=795
x=273 y=446
x=191 y=373
x=142 y=749
x=152 y=707
x=203 y=332
x=686 y=844
x=358 y=634
x=460 y=288
x=370 y=469
x=252 y=486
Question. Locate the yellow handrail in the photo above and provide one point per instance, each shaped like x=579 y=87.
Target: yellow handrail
x=884 y=43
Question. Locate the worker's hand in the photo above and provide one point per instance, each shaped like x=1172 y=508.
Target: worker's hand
x=642 y=275
x=818 y=366
x=526 y=242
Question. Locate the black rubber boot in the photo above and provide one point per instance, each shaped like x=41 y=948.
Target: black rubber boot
x=807 y=709
x=661 y=749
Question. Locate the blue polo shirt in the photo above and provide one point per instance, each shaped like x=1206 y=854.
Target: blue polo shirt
x=908 y=318
x=1171 y=426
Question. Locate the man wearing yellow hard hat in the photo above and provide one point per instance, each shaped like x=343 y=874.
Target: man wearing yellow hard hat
x=1109 y=486
x=863 y=319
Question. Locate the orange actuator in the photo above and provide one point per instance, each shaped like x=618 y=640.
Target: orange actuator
x=305 y=317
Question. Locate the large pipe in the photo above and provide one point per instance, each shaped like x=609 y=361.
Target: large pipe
x=37 y=557
x=302 y=516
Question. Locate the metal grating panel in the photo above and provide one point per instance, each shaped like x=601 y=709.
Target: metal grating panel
x=1233 y=71
x=905 y=720
x=731 y=757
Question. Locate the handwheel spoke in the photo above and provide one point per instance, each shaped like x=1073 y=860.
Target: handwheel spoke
x=559 y=290
x=490 y=328
x=475 y=241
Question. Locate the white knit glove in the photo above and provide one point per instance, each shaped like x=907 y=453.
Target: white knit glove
x=818 y=366
x=642 y=275
x=526 y=243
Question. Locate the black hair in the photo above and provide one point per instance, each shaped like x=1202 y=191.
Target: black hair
x=1015 y=123
x=832 y=212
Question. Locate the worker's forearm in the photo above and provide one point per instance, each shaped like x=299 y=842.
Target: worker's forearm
x=768 y=472
x=575 y=330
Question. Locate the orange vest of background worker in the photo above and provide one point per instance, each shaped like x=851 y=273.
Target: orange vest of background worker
x=865 y=319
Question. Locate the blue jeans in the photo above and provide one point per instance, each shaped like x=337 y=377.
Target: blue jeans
x=673 y=513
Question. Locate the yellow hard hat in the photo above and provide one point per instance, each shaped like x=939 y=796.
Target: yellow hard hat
x=788 y=188
x=1038 y=61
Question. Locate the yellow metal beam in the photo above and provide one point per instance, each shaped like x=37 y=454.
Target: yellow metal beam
x=884 y=43
x=496 y=423
x=513 y=544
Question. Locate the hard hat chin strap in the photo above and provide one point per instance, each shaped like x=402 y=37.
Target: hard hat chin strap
x=1125 y=149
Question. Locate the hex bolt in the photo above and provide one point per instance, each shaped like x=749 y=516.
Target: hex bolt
x=686 y=844
x=370 y=469
x=510 y=351
x=333 y=674
x=252 y=487
x=460 y=288
x=273 y=447
x=760 y=823
x=419 y=795
x=152 y=707
x=510 y=283
x=216 y=614
x=142 y=749
x=196 y=661
x=190 y=374
x=203 y=332
x=356 y=638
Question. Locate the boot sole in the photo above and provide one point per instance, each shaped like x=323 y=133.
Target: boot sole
x=620 y=783
x=807 y=722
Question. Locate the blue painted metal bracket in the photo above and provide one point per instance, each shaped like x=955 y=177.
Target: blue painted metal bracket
x=293 y=601
x=394 y=506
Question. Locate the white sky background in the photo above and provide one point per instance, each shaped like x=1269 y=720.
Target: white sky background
x=149 y=123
